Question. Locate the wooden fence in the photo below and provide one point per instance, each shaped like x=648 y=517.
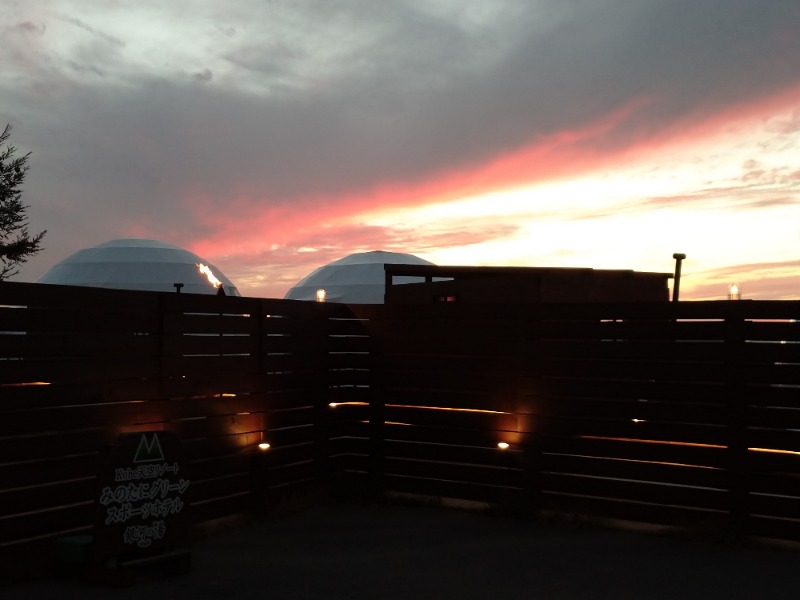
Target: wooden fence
x=674 y=413
x=79 y=366
x=684 y=414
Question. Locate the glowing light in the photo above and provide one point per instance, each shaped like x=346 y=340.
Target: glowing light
x=643 y=441
x=467 y=410
x=734 y=292
x=25 y=384
x=212 y=279
x=263 y=446
x=335 y=404
x=503 y=445
x=321 y=295
x=774 y=451
x=638 y=420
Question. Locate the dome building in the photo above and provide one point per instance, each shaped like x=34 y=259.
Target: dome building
x=138 y=264
x=355 y=279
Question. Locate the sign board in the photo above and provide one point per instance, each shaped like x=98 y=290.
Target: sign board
x=141 y=505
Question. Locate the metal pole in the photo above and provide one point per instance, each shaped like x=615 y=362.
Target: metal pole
x=676 y=289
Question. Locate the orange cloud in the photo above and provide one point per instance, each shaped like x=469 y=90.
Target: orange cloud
x=758 y=281
x=252 y=234
x=250 y=224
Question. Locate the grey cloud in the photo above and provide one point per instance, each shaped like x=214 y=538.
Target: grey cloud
x=28 y=27
x=227 y=31
x=86 y=68
x=100 y=34
x=204 y=76
x=413 y=109
x=398 y=95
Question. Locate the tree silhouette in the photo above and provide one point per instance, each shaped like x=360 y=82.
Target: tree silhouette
x=16 y=242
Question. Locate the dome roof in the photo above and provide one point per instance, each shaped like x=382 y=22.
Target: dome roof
x=136 y=264
x=357 y=279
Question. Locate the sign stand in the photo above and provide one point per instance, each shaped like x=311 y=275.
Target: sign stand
x=141 y=511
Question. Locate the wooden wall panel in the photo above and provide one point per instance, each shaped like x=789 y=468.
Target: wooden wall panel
x=643 y=410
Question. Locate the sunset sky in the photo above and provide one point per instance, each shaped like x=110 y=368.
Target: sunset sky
x=271 y=137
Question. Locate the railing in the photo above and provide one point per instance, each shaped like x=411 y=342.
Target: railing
x=683 y=414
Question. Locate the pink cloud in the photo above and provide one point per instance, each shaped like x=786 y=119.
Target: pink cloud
x=249 y=224
x=757 y=281
x=247 y=232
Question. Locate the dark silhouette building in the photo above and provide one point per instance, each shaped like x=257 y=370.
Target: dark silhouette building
x=522 y=285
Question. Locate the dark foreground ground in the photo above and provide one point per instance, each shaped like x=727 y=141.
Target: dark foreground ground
x=401 y=552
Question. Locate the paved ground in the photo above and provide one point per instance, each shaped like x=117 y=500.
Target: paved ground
x=400 y=552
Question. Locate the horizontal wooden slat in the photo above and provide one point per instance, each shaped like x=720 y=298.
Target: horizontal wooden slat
x=773 y=528
x=638 y=449
x=633 y=470
x=635 y=491
x=643 y=512
x=627 y=408
x=478 y=474
x=23 y=500
x=451 y=489
x=49 y=522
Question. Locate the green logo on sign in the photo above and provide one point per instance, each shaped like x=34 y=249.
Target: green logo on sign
x=148 y=451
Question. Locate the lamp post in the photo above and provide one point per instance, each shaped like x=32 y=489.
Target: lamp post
x=676 y=289
x=734 y=292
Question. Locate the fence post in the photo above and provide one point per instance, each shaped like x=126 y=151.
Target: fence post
x=736 y=422
x=376 y=416
x=534 y=427
x=318 y=352
x=260 y=460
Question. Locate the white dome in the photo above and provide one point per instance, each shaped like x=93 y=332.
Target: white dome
x=135 y=264
x=356 y=279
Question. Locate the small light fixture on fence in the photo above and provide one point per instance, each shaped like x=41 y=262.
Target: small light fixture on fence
x=734 y=292
x=321 y=295
x=263 y=446
x=503 y=445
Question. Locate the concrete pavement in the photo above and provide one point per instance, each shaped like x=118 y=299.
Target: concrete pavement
x=391 y=552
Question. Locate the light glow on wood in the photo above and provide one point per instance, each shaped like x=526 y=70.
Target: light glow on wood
x=775 y=451
x=468 y=410
x=640 y=441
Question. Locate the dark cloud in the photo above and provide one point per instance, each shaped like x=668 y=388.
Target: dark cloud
x=204 y=76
